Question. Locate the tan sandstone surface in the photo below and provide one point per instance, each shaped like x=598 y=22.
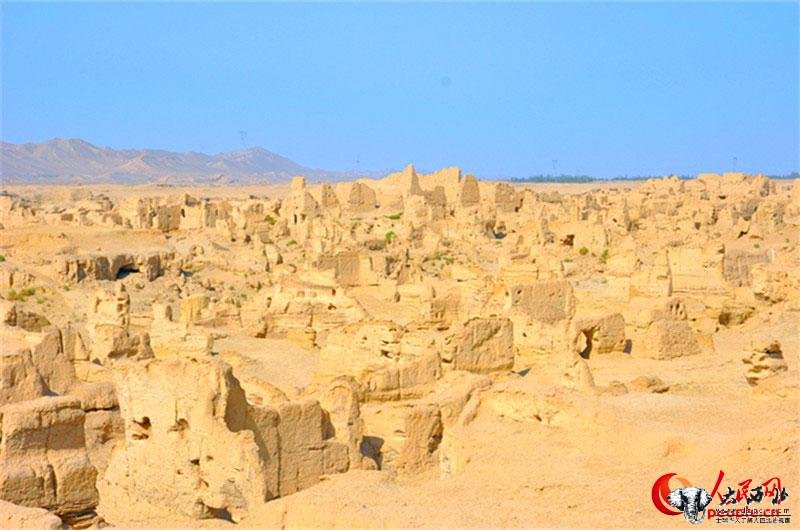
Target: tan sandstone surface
x=419 y=351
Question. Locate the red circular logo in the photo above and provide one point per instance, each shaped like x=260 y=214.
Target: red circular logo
x=661 y=489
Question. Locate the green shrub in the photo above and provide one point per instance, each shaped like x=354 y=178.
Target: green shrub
x=23 y=294
x=389 y=236
x=291 y=242
x=2 y=258
x=583 y=251
x=604 y=256
x=395 y=217
x=271 y=220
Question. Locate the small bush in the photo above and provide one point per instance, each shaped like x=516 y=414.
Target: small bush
x=291 y=242
x=2 y=258
x=23 y=294
x=390 y=235
x=395 y=217
x=138 y=286
x=583 y=251
x=271 y=220
x=67 y=287
x=39 y=300
x=756 y=245
x=604 y=256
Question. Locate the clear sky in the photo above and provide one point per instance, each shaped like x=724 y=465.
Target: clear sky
x=604 y=89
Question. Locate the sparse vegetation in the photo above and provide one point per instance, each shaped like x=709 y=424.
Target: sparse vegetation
x=449 y=260
x=395 y=217
x=270 y=220
x=291 y=242
x=20 y=296
x=583 y=251
x=756 y=245
x=389 y=236
x=2 y=258
x=604 y=256
x=582 y=179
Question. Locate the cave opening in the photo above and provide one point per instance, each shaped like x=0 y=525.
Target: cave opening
x=588 y=335
x=124 y=272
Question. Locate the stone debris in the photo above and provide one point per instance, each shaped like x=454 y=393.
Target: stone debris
x=766 y=360
x=25 y=518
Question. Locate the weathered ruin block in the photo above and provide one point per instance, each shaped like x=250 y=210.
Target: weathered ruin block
x=43 y=459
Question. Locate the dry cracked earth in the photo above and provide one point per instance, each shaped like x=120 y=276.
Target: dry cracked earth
x=420 y=351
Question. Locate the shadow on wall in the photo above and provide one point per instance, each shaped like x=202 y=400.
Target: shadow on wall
x=371 y=448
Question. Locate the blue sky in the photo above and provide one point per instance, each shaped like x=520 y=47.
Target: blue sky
x=498 y=89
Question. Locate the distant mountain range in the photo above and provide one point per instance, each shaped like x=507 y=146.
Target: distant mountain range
x=61 y=161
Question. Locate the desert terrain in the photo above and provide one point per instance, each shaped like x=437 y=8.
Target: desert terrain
x=417 y=351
